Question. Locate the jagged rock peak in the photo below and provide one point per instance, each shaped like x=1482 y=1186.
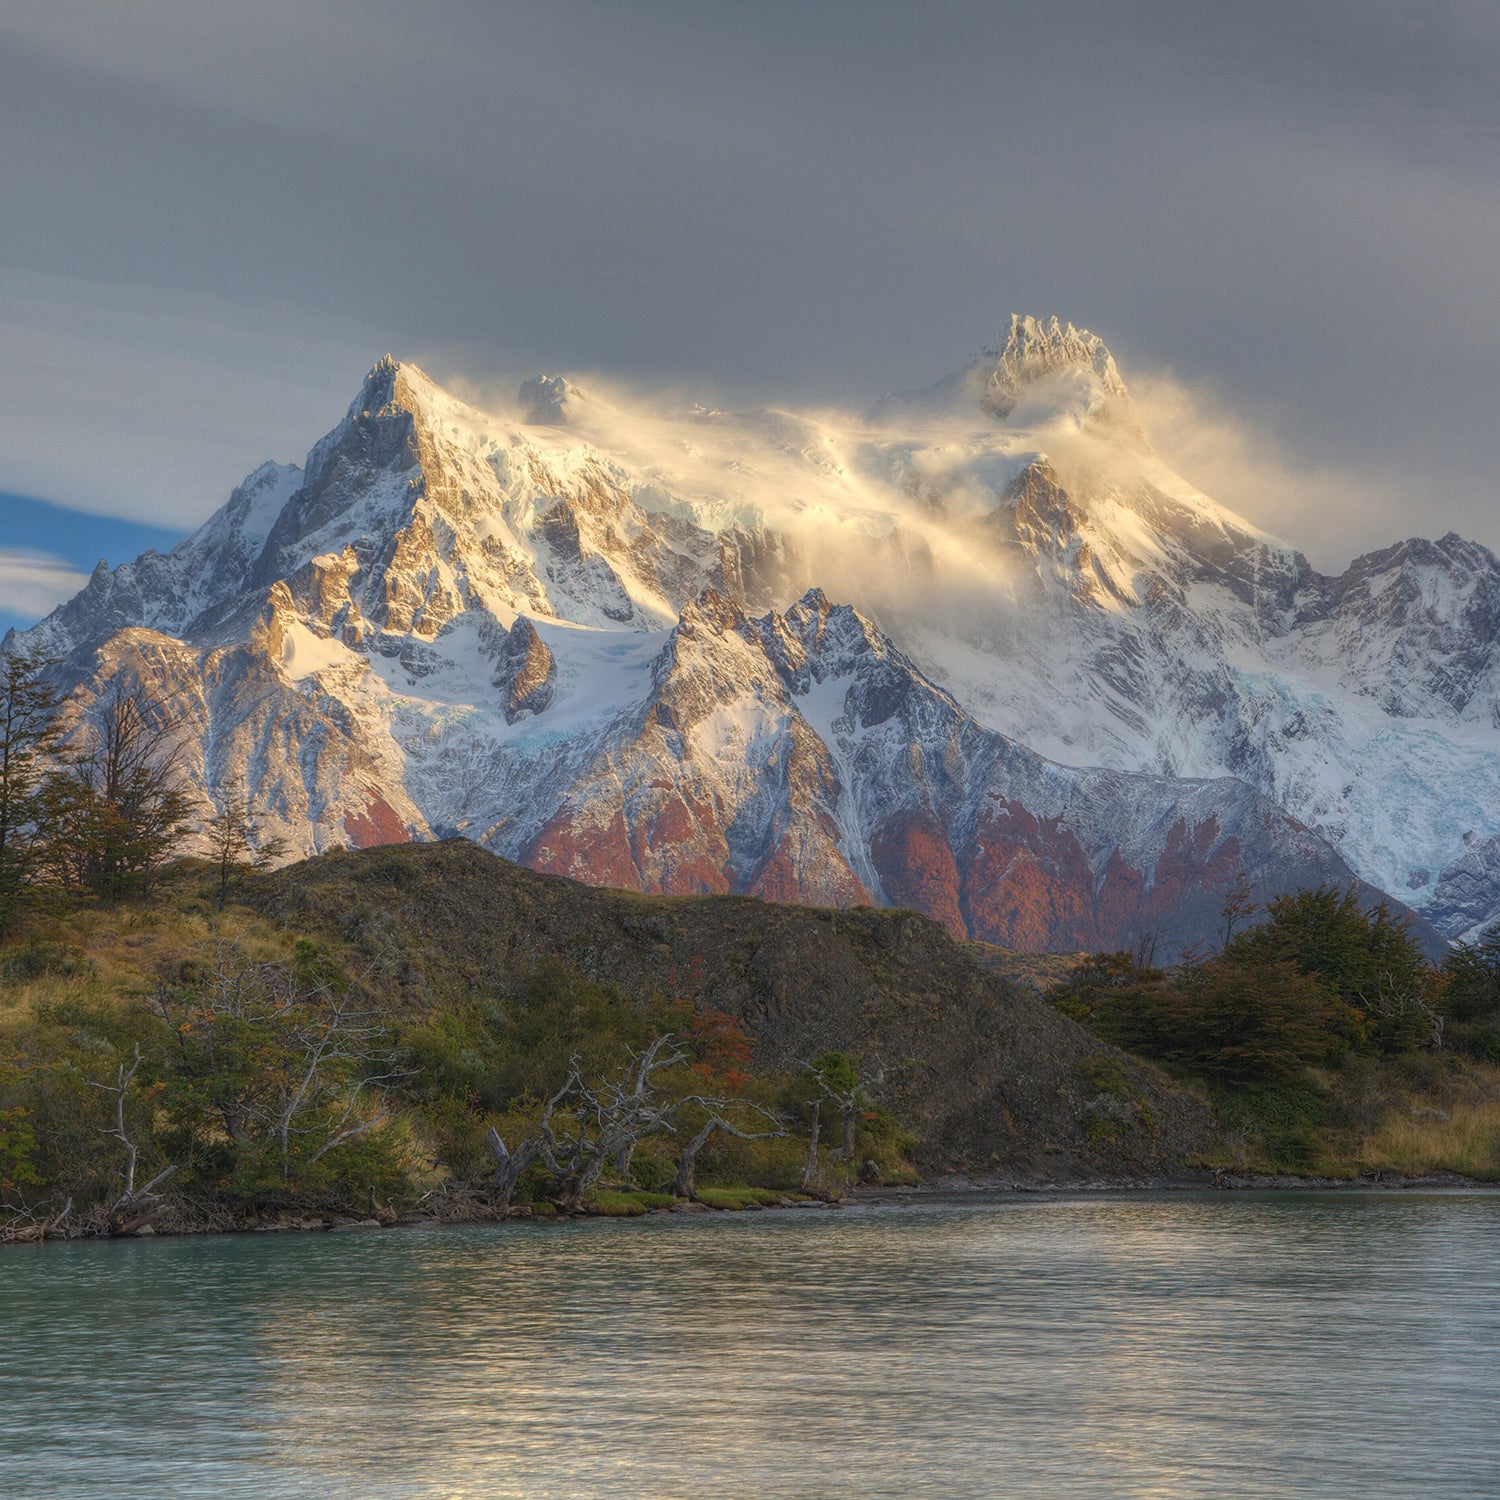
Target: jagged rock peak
x=378 y=389
x=392 y=395
x=816 y=620
x=527 y=672
x=1035 y=348
x=546 y=400
x=814 y=602
x=711 y=611
x=395 y=386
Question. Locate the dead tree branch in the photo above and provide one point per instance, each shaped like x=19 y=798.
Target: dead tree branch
x=135 y=1206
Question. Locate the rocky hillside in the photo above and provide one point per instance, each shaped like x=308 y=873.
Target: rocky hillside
x=985 y=1072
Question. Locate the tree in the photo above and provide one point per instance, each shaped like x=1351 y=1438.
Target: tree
x=1469 y=997
x=120 y=806
x=135 y=1206
x=1366 y=960
x=1473 y=974
x=285 y=1063
x=28 y=717
x=586 y=1126
x=1229 y=1020
x=684 y=1185
x=235 y=843
x=509 y=1165
x=835 y=1079
x=1239 y=904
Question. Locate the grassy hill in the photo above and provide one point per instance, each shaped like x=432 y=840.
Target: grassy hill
x=342 y=1037
x=981 y=1069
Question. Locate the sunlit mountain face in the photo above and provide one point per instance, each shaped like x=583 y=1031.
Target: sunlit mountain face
x=978 y=651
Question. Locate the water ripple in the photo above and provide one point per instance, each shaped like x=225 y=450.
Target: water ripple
x=1177 y=1346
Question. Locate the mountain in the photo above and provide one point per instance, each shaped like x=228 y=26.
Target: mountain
x=1074 y=701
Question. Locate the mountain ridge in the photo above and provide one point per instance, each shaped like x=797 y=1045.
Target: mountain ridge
x=1055 y=579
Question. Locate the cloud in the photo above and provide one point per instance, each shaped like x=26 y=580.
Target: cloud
x=1329 y=512
x=122 y=400
x=32 y=584
x=229 y=212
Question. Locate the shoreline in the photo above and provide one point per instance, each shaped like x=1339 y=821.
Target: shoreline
x=974 y=1186
x=957 y=1184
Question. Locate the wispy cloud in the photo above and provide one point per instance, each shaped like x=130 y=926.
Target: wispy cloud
x=1299 y=201
x=1329 y=512
x=124 y=402
x=33 y=583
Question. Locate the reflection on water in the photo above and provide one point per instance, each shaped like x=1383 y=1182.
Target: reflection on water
x=1312 y=1345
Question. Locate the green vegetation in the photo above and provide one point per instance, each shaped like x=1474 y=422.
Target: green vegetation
x=738 y=1196
x=1324 y=1039
x=91 y=804
x=1117 y=1106
x=1470 y=998
x=186 y=1064
x=177 y=1062
x=628 y=1203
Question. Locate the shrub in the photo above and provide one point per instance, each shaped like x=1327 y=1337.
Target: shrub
x=33 y=960
x=1224 y=1021
x=1283 y=1123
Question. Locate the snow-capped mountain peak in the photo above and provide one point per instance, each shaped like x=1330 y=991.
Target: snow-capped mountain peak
x=1037 y=352
x=443 y=581
x=548 y=400
x=1039 y=373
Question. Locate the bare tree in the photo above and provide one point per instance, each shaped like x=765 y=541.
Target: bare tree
x=1144 y=950
x=814 y=1134
x=25 y=1222
x=510 y=1165
x=298 y=1056
x=684 y=1184
x=1404 y=1007
x=135 y=1206
x=585 y=1126
x=218 y=1020
x=322 y=1099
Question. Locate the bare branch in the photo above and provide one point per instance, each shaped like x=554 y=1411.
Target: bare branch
x=716 y=1123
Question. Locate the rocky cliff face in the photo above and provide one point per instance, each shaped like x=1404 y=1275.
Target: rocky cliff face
x=591 y=637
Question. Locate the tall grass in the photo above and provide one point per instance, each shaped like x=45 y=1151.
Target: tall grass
x=1460 y=1135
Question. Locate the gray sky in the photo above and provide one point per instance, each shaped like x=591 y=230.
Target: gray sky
x=217 y=217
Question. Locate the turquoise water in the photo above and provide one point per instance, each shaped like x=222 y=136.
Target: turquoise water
x=1167 y=1346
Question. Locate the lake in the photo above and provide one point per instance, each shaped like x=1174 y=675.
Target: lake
x=1163 y=1346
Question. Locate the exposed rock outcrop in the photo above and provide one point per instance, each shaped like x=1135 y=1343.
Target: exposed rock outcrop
x=526 y=672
